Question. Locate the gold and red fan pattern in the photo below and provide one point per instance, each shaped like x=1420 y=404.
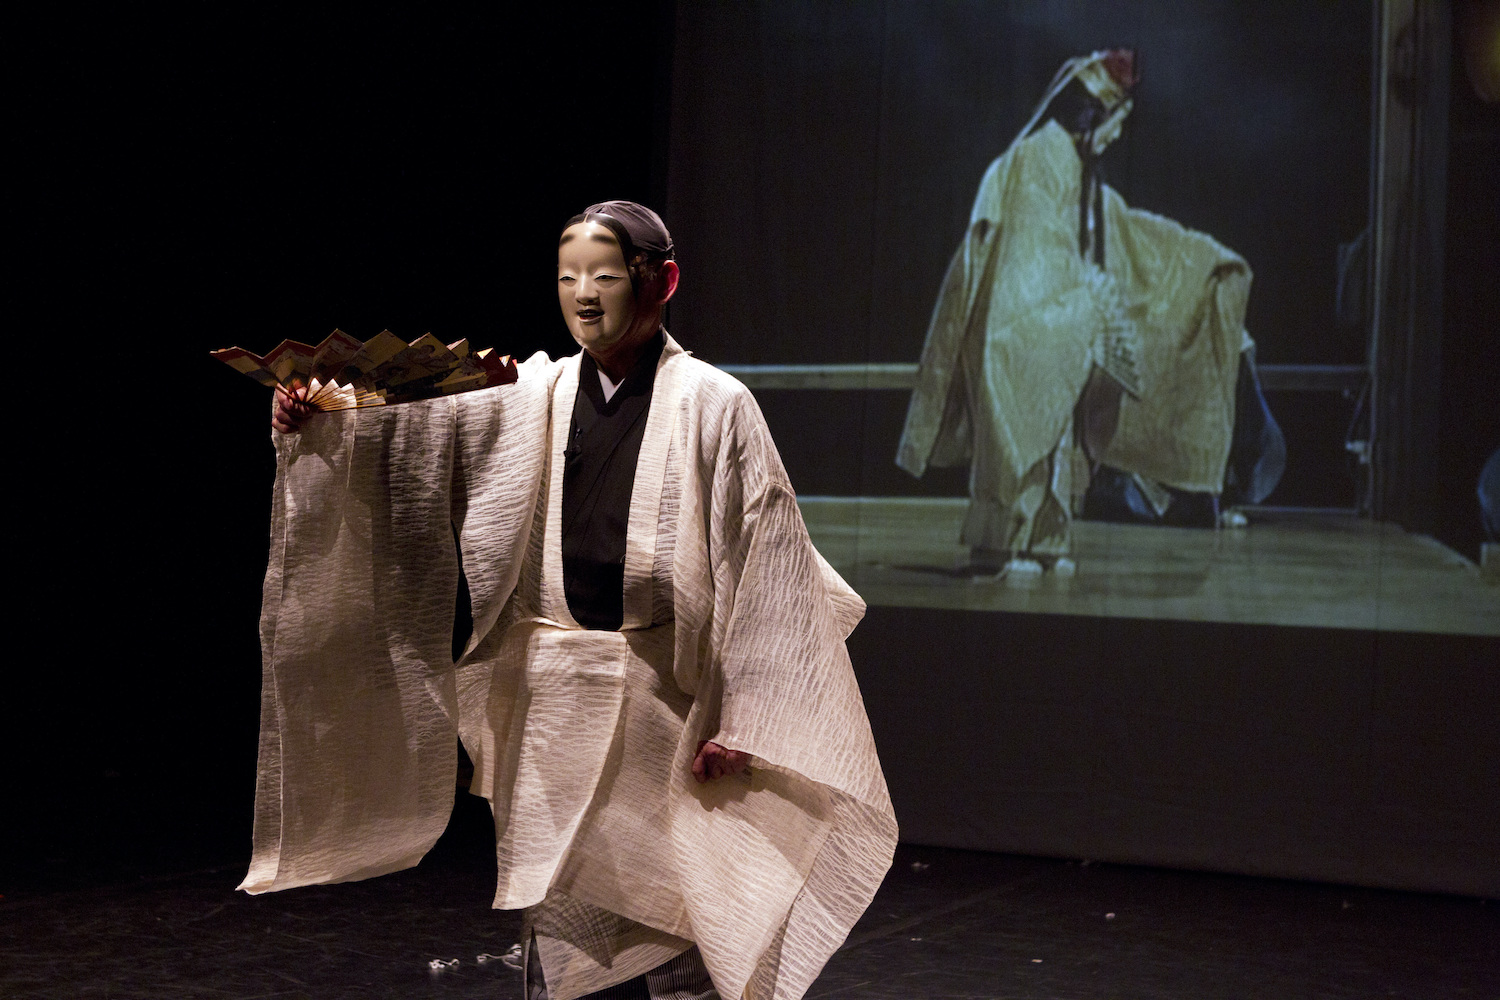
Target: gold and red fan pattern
x=342 y=373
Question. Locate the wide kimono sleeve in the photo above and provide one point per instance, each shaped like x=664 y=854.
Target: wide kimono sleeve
x=1189 y=294
x=358 y=729
x=801 y=846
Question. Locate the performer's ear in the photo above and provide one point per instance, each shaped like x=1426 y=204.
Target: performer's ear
x=668 y=278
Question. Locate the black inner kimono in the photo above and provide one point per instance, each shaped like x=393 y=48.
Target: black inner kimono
x=604 y=444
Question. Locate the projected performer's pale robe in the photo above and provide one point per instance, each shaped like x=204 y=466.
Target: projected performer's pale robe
x=1076 y=339
x=650 y=617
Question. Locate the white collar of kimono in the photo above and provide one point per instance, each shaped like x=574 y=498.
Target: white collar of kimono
x=609 y=388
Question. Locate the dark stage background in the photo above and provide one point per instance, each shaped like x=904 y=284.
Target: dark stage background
x=216 y=178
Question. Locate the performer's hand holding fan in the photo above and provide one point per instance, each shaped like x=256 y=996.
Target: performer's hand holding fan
x=343 y=374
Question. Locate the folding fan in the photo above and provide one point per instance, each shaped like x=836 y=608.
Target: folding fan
x=343 y=374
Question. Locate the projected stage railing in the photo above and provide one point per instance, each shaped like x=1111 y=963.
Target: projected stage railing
x=903 y=375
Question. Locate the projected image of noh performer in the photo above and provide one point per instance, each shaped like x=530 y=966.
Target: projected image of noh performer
x=1085 y=358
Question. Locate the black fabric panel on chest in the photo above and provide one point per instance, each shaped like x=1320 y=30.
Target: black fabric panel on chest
x=604 y=445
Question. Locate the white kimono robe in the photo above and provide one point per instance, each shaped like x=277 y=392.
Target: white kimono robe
x=733 y=630
x=1022 y=320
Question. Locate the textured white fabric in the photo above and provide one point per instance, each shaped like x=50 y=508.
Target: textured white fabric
x=358 y=708
x=734 y=630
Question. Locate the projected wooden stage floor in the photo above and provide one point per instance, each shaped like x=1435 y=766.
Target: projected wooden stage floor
x=1318 y=570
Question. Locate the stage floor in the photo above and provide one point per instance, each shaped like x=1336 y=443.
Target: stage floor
x=1317 y=570
x=946 y=925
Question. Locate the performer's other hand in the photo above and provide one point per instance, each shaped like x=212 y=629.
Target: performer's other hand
x=713 y=761
x=292 y=410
